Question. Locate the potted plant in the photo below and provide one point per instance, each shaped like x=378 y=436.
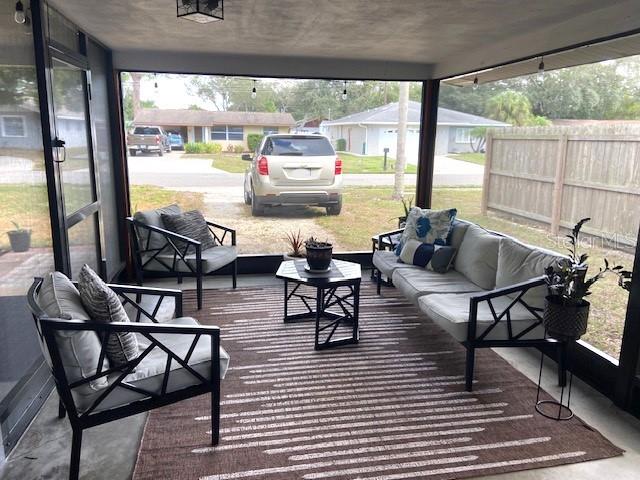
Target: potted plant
x=20 y=238
x=318 y=254
x=294 y=245
x=566 y=311
x=406 y=205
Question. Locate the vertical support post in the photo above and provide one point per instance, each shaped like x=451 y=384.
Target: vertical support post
x=630 y=350
x=486 y=181
x=558 y=184
x=426 y=153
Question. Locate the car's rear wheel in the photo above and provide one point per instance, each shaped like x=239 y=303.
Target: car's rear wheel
x=161 y=152
x=335 y=208
x=247 y=198
x=256 y=208
x=132 y=152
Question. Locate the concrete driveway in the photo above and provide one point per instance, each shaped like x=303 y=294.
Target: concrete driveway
x=176 y=170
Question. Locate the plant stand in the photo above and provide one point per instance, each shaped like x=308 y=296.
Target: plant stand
x=564 y=412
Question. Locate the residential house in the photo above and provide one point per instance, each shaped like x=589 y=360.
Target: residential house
x=371 y=131
x=226 y=128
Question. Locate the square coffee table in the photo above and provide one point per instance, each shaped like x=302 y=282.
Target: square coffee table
x=337 y=299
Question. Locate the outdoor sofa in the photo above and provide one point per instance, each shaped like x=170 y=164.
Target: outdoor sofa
x=493 y=296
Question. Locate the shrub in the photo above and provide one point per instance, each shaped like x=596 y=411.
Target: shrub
x=200 y=147
x=253 y=140
x=341 y=145
x=229 y=148
x=215 y=147
x=238 y=148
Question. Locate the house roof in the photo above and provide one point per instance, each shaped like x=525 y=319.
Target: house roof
x=388 y=115
x=197 y=118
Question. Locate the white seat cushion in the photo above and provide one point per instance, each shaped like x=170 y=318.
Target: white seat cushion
x=387 y=261
x=414 y=282
x=212 y=259
x=150 y=372
x=451 y=312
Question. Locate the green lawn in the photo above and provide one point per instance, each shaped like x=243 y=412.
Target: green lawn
x=469 y=157
x=380 y=211
x=233 y=163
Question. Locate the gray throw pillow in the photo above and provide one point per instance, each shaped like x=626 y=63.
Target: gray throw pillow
x=190 y=224
x=80 y=349
x=442 y=259
x=103 y=305
x=153 y=240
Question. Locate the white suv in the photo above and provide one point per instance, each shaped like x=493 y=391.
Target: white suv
x=290 y=169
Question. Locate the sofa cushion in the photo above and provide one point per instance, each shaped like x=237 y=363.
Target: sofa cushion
x=104 y=306
x=519 y=263
x=451 y=312
x=387 y=261
x=79 y=350
x=149 y=373
x=477 y=257
x=414 y=282
x=154 y=219
x=427 y=226
x=192 y=225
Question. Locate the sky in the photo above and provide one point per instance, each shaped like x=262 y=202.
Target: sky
x=172 y=92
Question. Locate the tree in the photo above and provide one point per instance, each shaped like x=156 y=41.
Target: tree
x=401 y=156
x=514 y=108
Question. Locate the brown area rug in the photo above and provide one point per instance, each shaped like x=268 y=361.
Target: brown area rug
x=391 y=407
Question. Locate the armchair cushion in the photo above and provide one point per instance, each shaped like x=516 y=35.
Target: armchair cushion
x=190 y=224
x=104 y=306
x=153 y=218
x=212 y=260
x=149 y=373
x=451 y=312
x=79 y=350
x=519 y=263
x=477 y=257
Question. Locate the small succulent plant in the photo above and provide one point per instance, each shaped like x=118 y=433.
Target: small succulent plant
x=312 y=242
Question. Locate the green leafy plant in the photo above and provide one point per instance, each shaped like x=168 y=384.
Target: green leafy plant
x=568 y=282
x=238 y=148
x=253 y=140
x=18 y=228
x=407 y=204
x=295 y=242
x=312 y=242
x=341 y=145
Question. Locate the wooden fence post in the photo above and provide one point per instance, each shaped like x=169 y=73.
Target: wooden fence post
x=558 y=185
x=487 y=173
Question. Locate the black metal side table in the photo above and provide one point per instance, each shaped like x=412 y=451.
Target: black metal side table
x=564 y=411
x=337 y=299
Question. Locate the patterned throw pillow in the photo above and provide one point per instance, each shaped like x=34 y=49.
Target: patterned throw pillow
x=436 y=258
x=190 y=224
x=427 y=226
x=103 y=305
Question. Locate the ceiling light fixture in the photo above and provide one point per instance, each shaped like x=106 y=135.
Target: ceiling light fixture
x=200 y=11
x=344 y=92
x=475 y=83
x=541 y=69
x=20 y=16
x=254 y=93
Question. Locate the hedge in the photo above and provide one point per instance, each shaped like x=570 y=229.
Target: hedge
x=341 y=145
x=200 y=147
x=253 y=140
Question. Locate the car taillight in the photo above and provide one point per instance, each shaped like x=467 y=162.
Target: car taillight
x=338 y=170
x=157 y=138
x=263 y=165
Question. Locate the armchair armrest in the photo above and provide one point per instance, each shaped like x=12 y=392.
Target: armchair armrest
x=225 y=229
x=123 y=290
x=388 y=237
x=164 y=232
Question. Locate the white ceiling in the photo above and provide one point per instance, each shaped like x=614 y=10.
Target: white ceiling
x=346 y=38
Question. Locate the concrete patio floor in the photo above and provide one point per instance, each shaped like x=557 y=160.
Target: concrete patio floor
x=110 y=451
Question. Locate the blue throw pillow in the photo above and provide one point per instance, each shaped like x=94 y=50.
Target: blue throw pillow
x=427 y=226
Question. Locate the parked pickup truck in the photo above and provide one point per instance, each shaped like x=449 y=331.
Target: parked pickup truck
x=148 y=139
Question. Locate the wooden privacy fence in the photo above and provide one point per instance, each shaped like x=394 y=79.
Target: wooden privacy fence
x=558 y=175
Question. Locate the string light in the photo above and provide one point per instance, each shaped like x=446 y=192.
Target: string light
x=155 y=83
x=475 y=83
x=344 y=92
x=541 y=69
x=20 y=15
x=254 y=93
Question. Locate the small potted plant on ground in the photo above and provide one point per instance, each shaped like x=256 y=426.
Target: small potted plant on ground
x=20 y=238
x=294 y=245
x=566 y=311
x=318 y=254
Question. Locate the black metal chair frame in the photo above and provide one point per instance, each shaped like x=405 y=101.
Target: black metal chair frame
x=179 y=246
x=90 y=417
x=384 y=240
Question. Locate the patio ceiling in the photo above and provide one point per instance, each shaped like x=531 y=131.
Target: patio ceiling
x=410 y=39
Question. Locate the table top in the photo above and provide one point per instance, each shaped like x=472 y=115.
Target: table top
x=341 y=272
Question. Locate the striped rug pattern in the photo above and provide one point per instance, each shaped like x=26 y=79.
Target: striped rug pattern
x=391 y=407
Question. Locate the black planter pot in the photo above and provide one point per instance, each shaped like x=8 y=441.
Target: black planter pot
x=20 y=240
x=319 y=258
x=565 y=322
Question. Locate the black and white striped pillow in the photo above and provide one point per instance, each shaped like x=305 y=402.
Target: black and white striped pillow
x=103 y=305
x=192 y=225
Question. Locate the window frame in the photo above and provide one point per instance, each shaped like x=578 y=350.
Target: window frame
x=4 y=126
x=222 y=130
x=235 y=134
x=270 y=130
x=463 y=135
